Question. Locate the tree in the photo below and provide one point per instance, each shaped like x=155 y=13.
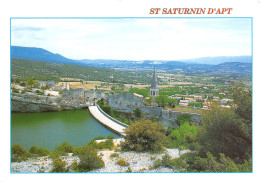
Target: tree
x=144 y=135
x=184 y=136
x=89 y=160
x=59 y=165
x=107 y=109
x=243 y=100
x=223 y=131
x=18 y=153
x=137 y=112
x=64 y=148
x=39 y=151
x=149 y=100
x=161 y=100
x=183 y=118
x=172 y=102
x=17 y=149
x=31 y=82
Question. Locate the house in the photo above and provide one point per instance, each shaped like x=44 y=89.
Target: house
x=216 y=98
x=184 y=103
x=198 y=98
x=206 y=105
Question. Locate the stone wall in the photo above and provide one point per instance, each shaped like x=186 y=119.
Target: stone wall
x=127 y=102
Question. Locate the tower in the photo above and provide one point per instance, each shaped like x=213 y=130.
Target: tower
x=154 y=91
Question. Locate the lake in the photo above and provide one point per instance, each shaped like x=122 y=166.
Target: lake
x=49 y=129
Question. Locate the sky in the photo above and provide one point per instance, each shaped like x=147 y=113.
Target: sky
x=136 y=38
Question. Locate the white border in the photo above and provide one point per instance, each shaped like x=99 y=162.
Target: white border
x=116 y=8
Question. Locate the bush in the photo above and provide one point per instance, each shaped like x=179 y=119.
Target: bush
x=33 y=149
x=39 y=151
x=122 y=162
x=129 y=170
x=64 y=148
x=18 y=153
x=107 y=144
x=110 y=137
x=114 y=155
x=59 y=165
x=166 y=161
x=99 y=138
x=144 y=135
x=89 y=160
x=39 y=92
x=183 y=118
x=223 y=131
x=23 y=84
x=183 y=136
x=107 y=109
x=137 y=112
x=17 y=149
x=14 y=90
x=45 y=87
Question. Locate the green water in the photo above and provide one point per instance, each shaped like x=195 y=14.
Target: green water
x=49 y=129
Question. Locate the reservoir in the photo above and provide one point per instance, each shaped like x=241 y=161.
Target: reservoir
x=49 y=129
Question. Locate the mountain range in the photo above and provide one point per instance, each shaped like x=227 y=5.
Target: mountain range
x=232 y=64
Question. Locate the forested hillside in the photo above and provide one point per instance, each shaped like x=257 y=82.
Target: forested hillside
x=40 y=70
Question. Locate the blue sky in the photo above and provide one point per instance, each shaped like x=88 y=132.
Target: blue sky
x=136 y=38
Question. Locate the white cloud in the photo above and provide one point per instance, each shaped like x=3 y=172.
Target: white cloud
x=135 y=39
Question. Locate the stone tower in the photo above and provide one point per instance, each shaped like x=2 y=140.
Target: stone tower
x=154 y=91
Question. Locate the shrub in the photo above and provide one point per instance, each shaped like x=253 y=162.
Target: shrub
x=45 y=87
x=137 y=112
x=99 y=138
x=33 y=149
x=59 y=165
x=31 y=82
x=183 y=136
x=144 y=135
x=207 y=164
x=110 y=137
x=122 y=162
x=89 y=160
x=14 y=90
x=223 y=131
x=114 y=155
x=183 y=118
x=179 y=163
x=129 y=170
x=39 y=92
x=107 y=109
x=18 y=153
x=107 y=144
x=43 y=152
x=23 y=84
x=166 y=161
x=17 y=149
x=64 y=148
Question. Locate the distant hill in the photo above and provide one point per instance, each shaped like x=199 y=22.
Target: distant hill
x=219 y=60
x=33 y=53
x=232 y=64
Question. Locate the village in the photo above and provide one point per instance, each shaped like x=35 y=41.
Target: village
x=191 y=96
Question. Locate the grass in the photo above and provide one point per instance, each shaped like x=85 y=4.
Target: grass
x=187 y=109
